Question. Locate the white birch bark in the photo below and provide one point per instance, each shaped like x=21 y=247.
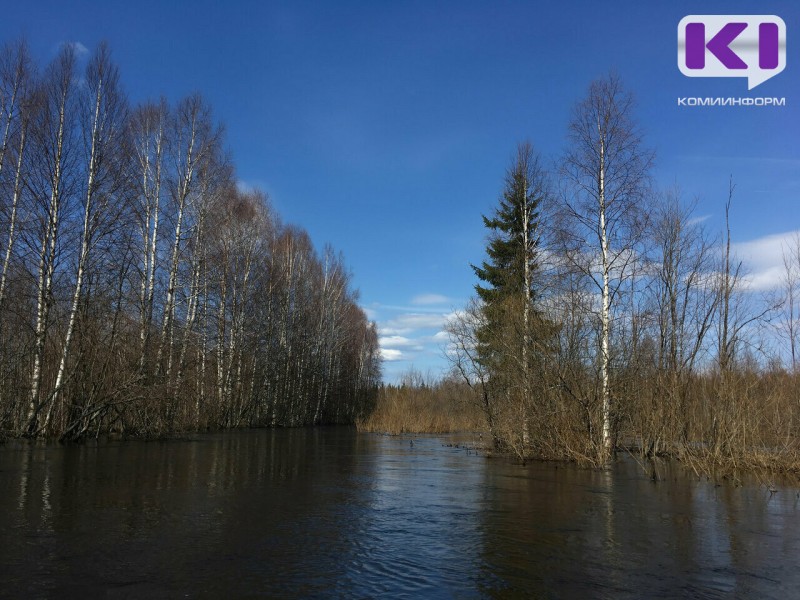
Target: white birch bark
x=607 y=169
x=10 y=99
x=149 y=147
x=86 y=241
x=12 y=225
x=16 y=108
x=221 y=328
x=61 y=85
x=605 y=311
x=198 y=260
x=190 y=110
x=526 y=297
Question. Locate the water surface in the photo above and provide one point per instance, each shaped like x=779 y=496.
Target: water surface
x=333 y=513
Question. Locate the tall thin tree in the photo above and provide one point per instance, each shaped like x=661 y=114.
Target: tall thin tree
x=605 y=171
x=509 y=275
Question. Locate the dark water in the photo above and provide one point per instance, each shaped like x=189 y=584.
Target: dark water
x=332 y=513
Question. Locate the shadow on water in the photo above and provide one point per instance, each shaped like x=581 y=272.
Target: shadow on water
x=333 y=513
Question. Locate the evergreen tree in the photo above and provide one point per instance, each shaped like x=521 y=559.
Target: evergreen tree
x=512 y=328
x=509 y=274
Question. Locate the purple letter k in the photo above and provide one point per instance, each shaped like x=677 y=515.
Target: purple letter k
x=718 y=45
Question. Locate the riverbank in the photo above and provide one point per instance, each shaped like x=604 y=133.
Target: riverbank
x=744 y=446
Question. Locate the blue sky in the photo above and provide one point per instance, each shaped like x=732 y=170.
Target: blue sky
x=385 y=128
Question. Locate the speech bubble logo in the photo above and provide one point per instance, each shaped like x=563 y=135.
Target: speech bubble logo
x=751 y=46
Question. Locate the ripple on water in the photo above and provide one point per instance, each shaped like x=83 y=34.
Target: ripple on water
x=341 y=514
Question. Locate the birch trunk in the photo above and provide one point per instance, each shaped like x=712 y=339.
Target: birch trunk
x=526 y=309
x=86 y=241
x=607 y=168
x=10 y=104
x=605 y=312
x=62 y=85
x=221 y=327
x=200 y=392
x=12 y=226
x=14 y=110
x=191 y=111
x=169 y=304
x=194 y=292
x=149 y=148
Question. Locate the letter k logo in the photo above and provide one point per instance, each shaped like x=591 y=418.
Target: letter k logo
x=749 y=46
x=719 y=45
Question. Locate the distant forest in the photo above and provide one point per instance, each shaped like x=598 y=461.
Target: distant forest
x=142 y=292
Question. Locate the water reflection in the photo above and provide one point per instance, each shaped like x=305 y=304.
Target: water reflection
x=615 y=534
x=331 y=513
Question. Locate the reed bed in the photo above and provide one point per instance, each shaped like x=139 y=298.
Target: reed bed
x=442 y=408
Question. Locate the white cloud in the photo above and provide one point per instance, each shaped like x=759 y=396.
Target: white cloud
x=80 y=50
x=424 y=299
x=769 y=279
x=413 y=335
x=413 y=338
x=390 y=354
x=409 y=322
x=441 y=337
x=763 y=258
x=418 y=308
x=698 y=220
x=395 y=341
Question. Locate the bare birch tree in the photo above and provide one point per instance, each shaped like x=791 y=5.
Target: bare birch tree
x=148 y=283
x=147 y=138
x=789 y=324
x=102 y=124
x=17 y=98
x=193 y=139
x=16 y=105
x=463 y=355
x=52 y=184
x=685 y=302
x=605 y=172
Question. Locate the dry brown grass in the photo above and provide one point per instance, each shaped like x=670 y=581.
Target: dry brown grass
x=742 y=424
x=443 y=408
x=722 y=425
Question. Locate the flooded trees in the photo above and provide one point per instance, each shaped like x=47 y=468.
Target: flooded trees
x=683 y=301
x=18 y=103
x=146 y=137
x=150 y=293
x=562 y=322
x=789 y=326
x=102 y=113
x=510 y=333
x=609 y=317
x=464 y=356
x=51 y=182
x=605 y=172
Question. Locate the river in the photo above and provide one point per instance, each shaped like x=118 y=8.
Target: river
x=331 y=513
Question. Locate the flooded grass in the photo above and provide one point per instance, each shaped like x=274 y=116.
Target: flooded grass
x=408 y=409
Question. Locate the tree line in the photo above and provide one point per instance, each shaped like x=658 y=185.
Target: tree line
x=608 y=316
x=141 y=291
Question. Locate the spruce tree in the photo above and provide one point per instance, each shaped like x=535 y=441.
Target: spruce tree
x=509 y=275
x=512 y=326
